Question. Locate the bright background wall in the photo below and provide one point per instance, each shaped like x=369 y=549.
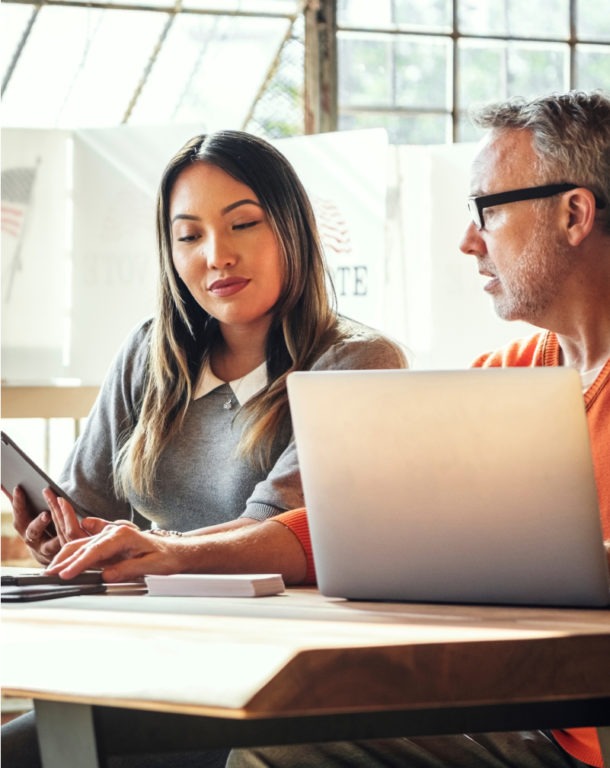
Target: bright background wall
x=81 y=270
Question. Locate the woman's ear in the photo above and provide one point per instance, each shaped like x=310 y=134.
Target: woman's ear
x=579 y=206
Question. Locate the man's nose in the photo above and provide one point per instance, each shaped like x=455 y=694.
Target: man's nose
x=472 y=243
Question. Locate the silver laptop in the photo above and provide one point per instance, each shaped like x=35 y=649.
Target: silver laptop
x=471 y=486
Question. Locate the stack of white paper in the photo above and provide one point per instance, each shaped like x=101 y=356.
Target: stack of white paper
x=216 y=585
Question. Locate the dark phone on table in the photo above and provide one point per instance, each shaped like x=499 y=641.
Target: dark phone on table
x=39 y=577
x=25 y=594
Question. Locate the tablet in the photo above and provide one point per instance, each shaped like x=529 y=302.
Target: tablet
x=19 y=469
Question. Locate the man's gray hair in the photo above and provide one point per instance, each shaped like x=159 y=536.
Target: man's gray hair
x=570 y=134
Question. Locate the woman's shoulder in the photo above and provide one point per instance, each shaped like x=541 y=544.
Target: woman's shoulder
x=140 y=333
x=361 y=346
x=133 y=354
x=138 y=337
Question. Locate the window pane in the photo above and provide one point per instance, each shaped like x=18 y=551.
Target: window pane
x=482 y=71
x=550 y=19
x=423 y=74
x=515 y=18
x=250 y=6
x=401 y=128
x=394 y=70
x=280 y=109
x=592 y=67
x=363 y=13
x=537 y=68
x=196 y=77
x=466 y=130
x=88 y=79
x=494 y=70
x=593 y=20
x=365 y=70
x=431 y=15
x=283 y=7
x=475 y=18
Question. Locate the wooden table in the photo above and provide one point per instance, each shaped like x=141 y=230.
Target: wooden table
x=295 y=667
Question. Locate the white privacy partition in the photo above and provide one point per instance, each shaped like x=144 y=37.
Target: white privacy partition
x=434 y=294
x=35 y=251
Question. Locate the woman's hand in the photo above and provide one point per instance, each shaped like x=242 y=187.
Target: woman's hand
x=68 y=526
x=122 y=551
x=38 y=530
x=45 y=533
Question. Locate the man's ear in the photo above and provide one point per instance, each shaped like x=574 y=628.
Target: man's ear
x=579 y=207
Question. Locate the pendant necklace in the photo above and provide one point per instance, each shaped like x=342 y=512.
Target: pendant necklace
x=232 y=398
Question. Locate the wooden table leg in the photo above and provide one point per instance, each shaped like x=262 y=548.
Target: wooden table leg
x=66 y=735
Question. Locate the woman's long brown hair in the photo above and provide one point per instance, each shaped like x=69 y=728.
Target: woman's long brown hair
x=183 y=334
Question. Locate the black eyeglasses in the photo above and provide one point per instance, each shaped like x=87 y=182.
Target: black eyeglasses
x=476 y=205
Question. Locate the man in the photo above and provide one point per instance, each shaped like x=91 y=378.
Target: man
x=540 y=232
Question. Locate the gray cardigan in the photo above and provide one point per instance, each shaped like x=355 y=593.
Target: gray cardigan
x=200 y=480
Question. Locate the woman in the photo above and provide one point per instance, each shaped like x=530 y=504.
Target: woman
x=191 y=432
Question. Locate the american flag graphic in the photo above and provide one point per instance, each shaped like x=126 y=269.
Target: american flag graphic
x=334 y=231
x=17 y=184
x=16 y=193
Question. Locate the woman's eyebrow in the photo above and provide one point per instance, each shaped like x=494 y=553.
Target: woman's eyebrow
x=226 y=209
x=245 y=201
x=186 y=216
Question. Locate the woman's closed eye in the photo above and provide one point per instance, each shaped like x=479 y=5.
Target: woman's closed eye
x=187 y=238
x=246 y=224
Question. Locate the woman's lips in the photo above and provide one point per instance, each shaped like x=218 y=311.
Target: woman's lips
x=228 y=287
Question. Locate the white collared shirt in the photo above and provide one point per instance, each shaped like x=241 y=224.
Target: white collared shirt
x=243 y=389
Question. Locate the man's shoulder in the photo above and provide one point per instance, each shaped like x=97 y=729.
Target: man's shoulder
x=526 y=351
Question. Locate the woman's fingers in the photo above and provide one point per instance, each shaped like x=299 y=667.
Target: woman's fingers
x=113 y=543
x=94 y=525
x=36 y=530
x=122 y=552
x=42 y=543
x=67 y=523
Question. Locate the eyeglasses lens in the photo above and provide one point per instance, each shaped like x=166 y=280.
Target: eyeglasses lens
x=475 y=213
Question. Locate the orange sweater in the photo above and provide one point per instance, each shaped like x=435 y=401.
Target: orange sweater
x=541 y=349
